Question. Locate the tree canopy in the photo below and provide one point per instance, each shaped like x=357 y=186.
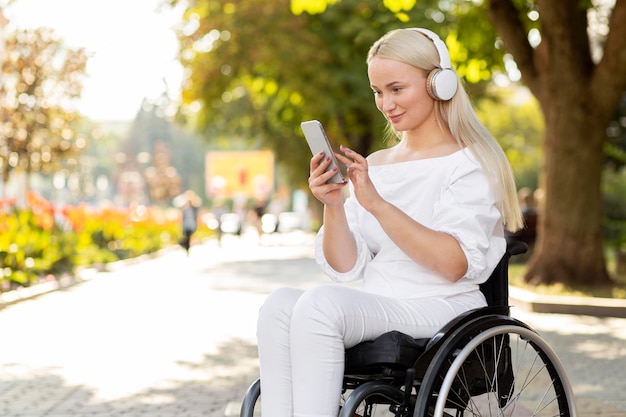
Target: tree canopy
x=40 y=79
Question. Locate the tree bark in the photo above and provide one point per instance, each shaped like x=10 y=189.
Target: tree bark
x=569 y=247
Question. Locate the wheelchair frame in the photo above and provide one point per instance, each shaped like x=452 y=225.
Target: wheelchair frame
x=483 y=362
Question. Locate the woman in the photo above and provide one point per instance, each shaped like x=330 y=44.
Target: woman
x=423 y=227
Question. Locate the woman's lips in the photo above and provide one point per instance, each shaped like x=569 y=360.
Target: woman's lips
x=394 y=117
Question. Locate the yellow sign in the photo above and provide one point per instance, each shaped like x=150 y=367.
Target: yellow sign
x=240 y=173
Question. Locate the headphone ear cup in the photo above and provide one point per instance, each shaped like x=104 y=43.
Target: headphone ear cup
x=429 y=84
x=441 y=84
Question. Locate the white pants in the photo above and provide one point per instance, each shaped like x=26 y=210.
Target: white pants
x=302 y=337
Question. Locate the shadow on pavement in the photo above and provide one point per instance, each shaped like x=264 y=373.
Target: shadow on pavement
x=222 y=377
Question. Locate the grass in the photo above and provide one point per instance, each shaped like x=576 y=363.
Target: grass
x=516 y=279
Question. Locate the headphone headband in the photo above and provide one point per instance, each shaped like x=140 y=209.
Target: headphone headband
x=442 y=50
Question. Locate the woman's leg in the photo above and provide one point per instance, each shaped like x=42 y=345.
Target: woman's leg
x=330 y=318
x=274 y=352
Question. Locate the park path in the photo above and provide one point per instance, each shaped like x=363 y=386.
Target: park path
x=173 y=335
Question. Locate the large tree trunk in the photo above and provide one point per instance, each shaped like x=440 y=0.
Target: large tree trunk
x=569 y=248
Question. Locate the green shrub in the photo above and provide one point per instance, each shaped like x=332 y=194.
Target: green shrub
x=43 y=242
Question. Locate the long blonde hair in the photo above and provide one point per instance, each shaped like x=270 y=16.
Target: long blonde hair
x=457 y=114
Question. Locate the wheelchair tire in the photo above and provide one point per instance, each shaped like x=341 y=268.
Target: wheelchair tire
x=506 y=370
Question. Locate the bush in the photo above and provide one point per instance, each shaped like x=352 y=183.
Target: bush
x=43 y=242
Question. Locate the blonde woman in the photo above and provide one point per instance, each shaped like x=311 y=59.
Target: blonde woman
x=423 y=226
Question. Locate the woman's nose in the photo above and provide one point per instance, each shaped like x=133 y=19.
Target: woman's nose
x=388 y=103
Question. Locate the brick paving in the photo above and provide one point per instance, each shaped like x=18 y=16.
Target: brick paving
x=174 y=336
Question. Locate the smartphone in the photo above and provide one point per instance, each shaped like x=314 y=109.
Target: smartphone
x=318 y=142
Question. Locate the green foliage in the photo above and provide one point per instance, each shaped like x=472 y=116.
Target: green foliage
x=614 y=183
x=514 y=118
x=304 y=60
x=614 y=206
x=615 y=147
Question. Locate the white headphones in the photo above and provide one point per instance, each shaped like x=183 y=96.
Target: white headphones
x=442 y=82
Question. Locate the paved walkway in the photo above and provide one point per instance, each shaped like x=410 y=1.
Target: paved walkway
x=174 y=336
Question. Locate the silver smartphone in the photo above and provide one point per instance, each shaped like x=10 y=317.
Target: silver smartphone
x=318 y=142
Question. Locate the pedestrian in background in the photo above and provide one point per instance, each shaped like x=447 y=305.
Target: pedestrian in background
x=190 y=218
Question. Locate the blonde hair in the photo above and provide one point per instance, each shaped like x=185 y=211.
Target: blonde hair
x=457 y=114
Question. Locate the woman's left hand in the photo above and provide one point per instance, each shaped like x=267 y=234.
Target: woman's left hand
x=357 y=168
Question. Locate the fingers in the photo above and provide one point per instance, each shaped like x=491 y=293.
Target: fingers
x=319 y=165
x=355 y=156
x=320 y=162
x=354 y=161
x=343 y=159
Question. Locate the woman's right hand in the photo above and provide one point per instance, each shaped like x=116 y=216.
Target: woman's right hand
x=329 y=194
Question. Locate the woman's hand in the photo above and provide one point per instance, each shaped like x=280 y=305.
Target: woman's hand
x=364 y=190
x=328 y=194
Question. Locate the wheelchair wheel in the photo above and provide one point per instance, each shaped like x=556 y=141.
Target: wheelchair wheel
x=375 y=400
x=507 y=370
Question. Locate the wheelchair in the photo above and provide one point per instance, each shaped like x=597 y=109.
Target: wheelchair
x=482 y=363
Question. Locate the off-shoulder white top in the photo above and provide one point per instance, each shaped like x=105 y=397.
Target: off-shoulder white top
x=450 y=194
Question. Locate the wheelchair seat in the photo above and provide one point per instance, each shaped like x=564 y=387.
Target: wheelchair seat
x=395 y=351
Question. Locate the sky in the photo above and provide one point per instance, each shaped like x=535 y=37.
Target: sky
x=131 y=43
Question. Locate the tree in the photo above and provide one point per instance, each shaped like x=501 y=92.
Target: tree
x=579 y=85
x=256 y=70
x=152 y=131
x=40 y=78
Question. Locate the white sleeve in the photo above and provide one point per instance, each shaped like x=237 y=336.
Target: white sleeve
x=468 y=211
x=364 y=255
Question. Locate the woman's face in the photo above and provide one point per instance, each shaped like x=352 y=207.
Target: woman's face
x=400 y=93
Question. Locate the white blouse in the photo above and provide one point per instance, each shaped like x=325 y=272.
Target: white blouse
x=450 y=194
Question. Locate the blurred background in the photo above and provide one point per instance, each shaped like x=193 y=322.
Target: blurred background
x=112 y=110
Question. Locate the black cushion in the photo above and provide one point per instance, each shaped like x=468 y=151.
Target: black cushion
x=393 y=349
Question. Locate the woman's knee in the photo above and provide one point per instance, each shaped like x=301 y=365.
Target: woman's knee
x=322 y=304
x=278 y=308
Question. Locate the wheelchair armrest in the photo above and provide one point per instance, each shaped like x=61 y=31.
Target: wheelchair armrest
x=516 y=247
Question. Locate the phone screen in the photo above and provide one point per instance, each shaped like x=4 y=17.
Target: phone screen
x=318 y=142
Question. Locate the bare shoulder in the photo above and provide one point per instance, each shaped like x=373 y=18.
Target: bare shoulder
x=380 y=157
